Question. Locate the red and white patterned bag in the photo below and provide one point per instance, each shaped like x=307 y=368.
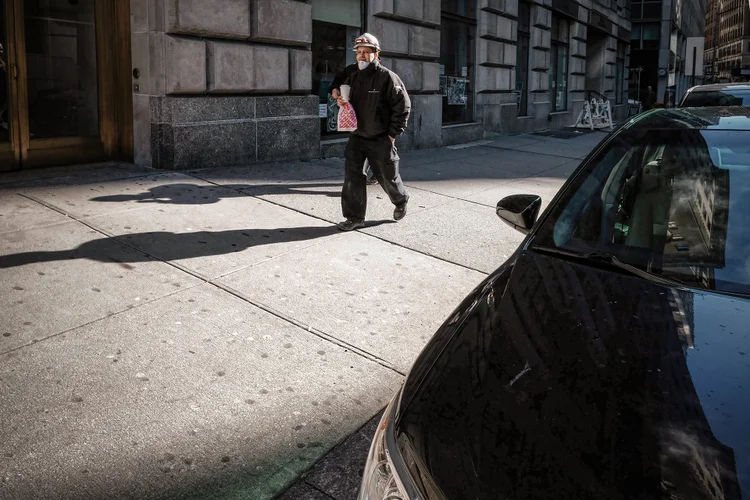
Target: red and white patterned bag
x=347 y=118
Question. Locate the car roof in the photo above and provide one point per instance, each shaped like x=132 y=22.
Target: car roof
x=720 y=86
x=702 y=118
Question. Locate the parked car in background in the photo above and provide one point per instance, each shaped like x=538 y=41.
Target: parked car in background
x=720 y=94
x=609 y=357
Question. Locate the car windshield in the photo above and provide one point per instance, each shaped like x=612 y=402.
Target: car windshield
x=725 y=97
x=674 y=203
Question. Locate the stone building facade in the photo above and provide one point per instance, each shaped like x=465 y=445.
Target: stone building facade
x=234 y=82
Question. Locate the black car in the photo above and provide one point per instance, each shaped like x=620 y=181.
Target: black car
x=719 y=94
x=609 y=357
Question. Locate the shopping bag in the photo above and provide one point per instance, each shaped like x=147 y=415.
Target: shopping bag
x=347 y=121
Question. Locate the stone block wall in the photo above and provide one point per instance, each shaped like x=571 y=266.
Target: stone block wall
x=497 y=38
x=409 y=35
x=187 y=50
x=218 y=131
x=229 y=82
x=497 y=34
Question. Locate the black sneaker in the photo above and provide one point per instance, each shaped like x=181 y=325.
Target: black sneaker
x=372 y=180
x=350 y=225
x=400 y=212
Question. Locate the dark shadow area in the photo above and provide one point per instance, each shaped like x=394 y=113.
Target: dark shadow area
x=502 y=165
x=195 y=194
x=338 y=473
x=168 y=246
x=565 y=133
x=376 y=223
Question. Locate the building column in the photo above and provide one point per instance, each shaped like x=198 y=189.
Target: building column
x=610 y=69
x=578 y=63
x=539 y=66
x=497 y=38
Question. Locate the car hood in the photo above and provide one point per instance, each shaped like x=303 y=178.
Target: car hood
x=555 y=378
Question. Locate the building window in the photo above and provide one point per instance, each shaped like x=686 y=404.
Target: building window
x=457 y=42
x=651 y=10
x=522 y=59
x=635 y=37
x=336 y=23
x=620 y=73
x=559 y=70
x=650 y=36
x=637 y=9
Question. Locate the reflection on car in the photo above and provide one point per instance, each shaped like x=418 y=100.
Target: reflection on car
x=609 y=357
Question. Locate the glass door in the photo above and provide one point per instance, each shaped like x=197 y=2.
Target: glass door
x=60 y=82
x=65 y=82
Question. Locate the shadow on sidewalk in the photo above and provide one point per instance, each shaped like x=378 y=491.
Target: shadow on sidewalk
x=168 y=246
x=196 y=194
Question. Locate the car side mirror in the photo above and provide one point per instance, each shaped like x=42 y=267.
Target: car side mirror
x=519 y=211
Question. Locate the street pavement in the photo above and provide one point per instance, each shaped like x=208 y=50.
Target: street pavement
x=211 y=335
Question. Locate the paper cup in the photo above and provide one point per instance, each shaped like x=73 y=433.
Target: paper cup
x=345 y=90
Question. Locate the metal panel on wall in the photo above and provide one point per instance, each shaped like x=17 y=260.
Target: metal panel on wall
x=346 y=12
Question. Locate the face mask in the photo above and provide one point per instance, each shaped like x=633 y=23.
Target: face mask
x=362 y=64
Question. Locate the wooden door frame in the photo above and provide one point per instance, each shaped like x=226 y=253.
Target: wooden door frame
x=115 y=109
x=10 y=152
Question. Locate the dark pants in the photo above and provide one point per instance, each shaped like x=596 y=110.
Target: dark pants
x=383 y=158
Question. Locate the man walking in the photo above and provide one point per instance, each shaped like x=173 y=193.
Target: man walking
x=382 y=105
x=335 y=90
x=649 y=99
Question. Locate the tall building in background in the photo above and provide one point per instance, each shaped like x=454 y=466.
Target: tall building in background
x=660 y=29
x=727 y=49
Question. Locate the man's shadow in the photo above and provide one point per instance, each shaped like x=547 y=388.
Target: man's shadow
x=168 y=246
x=196 y=194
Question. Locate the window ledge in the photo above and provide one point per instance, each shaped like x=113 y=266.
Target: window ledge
x=556 y=113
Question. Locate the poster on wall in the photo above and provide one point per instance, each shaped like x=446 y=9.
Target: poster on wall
x=332 y=112
x=456 y=88
x=443 y=85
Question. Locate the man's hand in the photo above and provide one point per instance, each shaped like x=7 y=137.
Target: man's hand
x=337 y=95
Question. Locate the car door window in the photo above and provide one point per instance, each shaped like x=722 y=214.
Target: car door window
x=668 y=202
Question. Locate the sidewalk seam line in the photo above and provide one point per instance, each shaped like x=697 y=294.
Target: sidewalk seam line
x=275 y=257
x=97 y=320
x=368 y=234
x=318 y=490
x=309 y=328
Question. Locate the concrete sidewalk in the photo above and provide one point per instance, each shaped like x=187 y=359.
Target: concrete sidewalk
x=210 y=334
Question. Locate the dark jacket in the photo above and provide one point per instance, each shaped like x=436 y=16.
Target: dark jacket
x=380 y=101
x=341 y=78
x=649 y=100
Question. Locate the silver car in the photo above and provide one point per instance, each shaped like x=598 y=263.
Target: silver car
x=720 y=94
